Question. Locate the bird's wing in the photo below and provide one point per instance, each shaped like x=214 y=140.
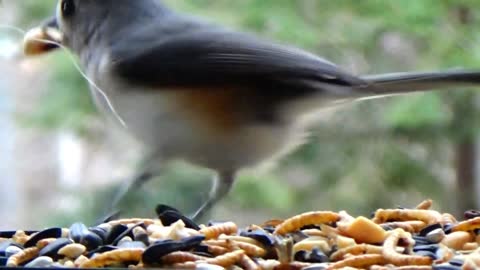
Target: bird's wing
x=202 y=59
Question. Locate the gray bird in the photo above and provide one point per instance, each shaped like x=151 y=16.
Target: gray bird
x=203 y=93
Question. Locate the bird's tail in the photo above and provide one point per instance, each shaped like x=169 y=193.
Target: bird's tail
x=397 y=83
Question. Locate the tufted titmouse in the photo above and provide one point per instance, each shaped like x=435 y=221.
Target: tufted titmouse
x=203 y=93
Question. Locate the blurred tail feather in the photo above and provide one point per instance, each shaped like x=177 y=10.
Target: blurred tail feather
x=396 y=83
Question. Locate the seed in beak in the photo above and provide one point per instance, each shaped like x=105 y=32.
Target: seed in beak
x=41 y=40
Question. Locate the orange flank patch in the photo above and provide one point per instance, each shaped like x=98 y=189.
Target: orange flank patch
x=220 y=109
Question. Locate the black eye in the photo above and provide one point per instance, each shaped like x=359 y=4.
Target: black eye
x=68 y=8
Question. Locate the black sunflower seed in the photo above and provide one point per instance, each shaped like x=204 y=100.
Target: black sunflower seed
x=51 y=249
x=314 y=256
x=142 y=237
x=10 y=234
x=431 y=248
x=456 y=262
x=91 y=241
x=298 y=236
x=471 y=214
x=421 y=240
x=201 y=249
x=169 y=217
x=162 y=208
x=261 y=236
x=3 y=261
x=103 y=233
x=269 y=229
x=301 y=256
x=77 y=231
x=311 y=226
x=429 y=228
x=446 y=267
x=115 y=232
x=48 y=233
x=317 y=256
x=128 y=232
x=154 y=253
x=448 y=228
x=7 y=234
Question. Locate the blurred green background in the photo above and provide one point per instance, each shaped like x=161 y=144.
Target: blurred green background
x=384 y=153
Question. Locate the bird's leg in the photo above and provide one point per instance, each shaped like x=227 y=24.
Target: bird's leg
x=222 y=185
x=136 y=183
x=147 y=171
x=125 y=188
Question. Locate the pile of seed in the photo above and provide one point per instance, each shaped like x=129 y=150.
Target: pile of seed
x=417 y=238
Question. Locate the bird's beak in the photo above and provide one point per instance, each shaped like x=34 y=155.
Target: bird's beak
x=42 y=39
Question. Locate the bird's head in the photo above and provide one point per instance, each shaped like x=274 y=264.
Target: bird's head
x=79 y=24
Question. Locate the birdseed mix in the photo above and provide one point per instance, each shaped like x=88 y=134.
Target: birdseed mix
x=414 y=239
